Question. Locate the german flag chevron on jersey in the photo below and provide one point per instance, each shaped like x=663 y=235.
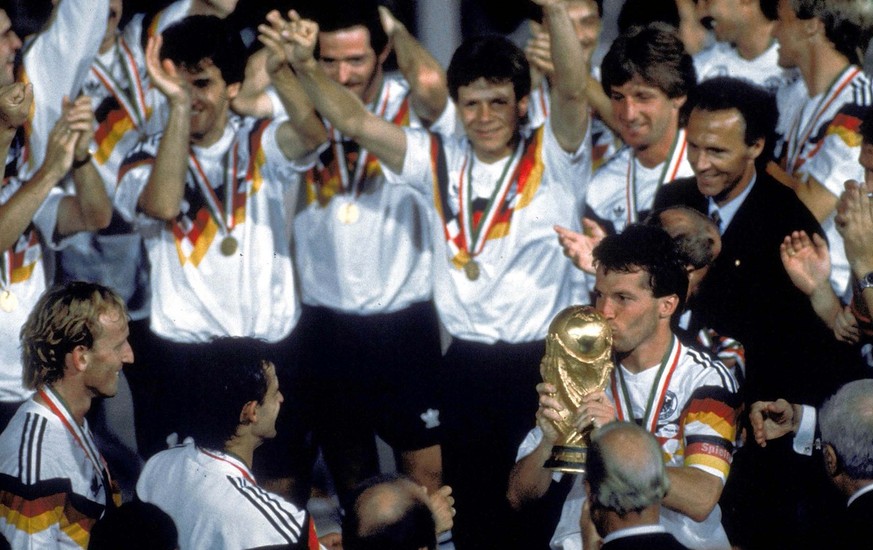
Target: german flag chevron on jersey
x=524 y=181
x=331 y=177
x=50 y=493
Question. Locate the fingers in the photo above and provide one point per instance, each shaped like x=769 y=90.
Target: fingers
x=596 y=411
x=593 y=229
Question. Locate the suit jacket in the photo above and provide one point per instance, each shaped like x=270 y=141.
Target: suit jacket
x=856 y=530
x=652 y=541
x=748 y=295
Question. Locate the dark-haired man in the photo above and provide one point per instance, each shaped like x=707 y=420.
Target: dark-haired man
x=748 y=295
x=678 y=394
x=208 y=487
x=207 y=194
x=745 y=46
x=499 y=277
x=363 y=251
x=54 y=483
x=647 y=76
x=819 y=113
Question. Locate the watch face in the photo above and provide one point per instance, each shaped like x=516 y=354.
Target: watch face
x=867 y=281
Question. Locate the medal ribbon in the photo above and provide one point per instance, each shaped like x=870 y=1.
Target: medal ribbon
x=474 y=237
x=352 y=182
x=793 y=157
x=233 y=461
x=657 y=394
x=668 y=173
x=82 y=437
x=225 y=220
x=133 y=102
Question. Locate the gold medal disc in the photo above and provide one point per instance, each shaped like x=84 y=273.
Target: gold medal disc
x=8 y=301
x=348 y=213
x=229 y=246
x=471 y=270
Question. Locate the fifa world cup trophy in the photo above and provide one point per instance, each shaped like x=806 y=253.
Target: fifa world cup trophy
x=578 y=361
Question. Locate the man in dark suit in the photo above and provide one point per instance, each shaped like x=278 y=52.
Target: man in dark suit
x=748 y=295
x=626 y=481
x=846 y=425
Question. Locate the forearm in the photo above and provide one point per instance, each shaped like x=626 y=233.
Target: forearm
x=93 y=199
x=161 y=197
x=529 y=480
x=569 y=117
x=340 y=106
x=309 y=130
x=17 y=213
x=826 y=304
x=693 y=492
x=427 y=80
x=571 y=68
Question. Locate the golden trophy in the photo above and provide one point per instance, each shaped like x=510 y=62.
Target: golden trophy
x=578 y=361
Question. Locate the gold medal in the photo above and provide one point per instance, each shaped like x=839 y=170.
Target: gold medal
x=471 y=270
x=8 y=301
x=229 y=245
x=348 y=213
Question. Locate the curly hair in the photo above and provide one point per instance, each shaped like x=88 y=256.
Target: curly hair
x=63 y=318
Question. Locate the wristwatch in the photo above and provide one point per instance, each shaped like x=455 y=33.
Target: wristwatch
x=866 y=281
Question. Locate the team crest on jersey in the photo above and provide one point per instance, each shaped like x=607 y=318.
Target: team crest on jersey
x=671 y=404
x=618 y=211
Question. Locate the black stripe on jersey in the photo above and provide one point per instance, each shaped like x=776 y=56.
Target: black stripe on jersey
x=43 y=423
x=272 y=502
x=862 y=90
x=255 y=495
x=706 y=361
x=29 y=451
x=21 y=447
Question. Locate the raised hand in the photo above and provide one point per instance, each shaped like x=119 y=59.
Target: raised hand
x=80 y=116
x=16 y=100
x=773 y=419
x=303 y=33
x=538 y=49
x=579 y=247
x=165 y=75
x=807 y=261
x=846 y=326
x=854 y=221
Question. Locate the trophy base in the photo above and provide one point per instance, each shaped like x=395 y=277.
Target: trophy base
x=567 y=459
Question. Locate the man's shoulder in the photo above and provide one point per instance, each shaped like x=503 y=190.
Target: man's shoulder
x=650 y=541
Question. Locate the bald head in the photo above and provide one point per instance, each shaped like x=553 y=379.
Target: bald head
x=390 y=514
x=696 y=237
x=625 y=469
x=846 y=422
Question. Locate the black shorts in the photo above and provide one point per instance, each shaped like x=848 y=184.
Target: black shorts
x=373 y=374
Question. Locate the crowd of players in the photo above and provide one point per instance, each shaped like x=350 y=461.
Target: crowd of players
x=292 y=250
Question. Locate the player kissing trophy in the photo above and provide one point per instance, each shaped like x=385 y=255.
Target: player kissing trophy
x=578 y=361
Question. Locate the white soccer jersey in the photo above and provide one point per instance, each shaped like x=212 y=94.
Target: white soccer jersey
x=24 y=278
x=51 y=492
x=695 y=425
x=819 y=138
x=216 y=503
x=362 y=246
x=56 y=63
x=223 y=266
x=623 y=190
x=722 y=59
x=518 y=279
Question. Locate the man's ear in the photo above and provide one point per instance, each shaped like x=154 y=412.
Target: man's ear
x=233 y=89
x=831 y=460
x=249 y=413
x=523 y=105
x=667 y=305
x=77 y=359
